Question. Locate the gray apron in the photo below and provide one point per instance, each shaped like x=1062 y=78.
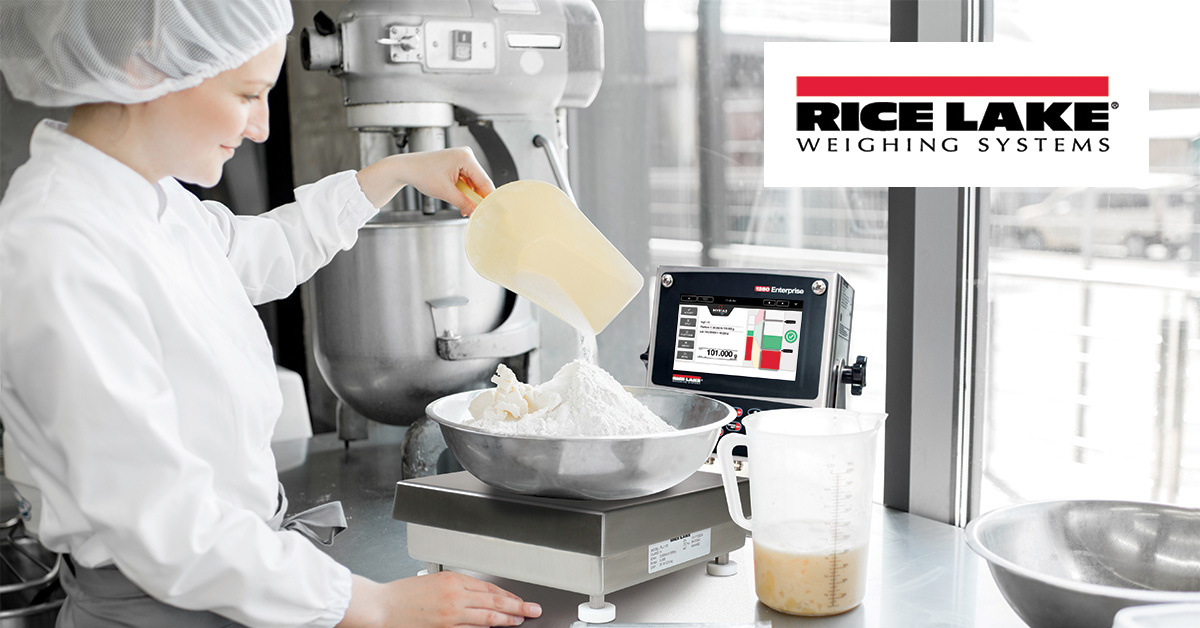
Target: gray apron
x=104 y=598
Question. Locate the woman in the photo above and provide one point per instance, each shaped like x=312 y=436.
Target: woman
x=135 y=376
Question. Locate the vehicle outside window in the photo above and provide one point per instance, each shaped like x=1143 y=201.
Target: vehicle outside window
x=1125 y=222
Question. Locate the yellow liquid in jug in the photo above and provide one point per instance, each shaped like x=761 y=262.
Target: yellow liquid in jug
x=810 y=584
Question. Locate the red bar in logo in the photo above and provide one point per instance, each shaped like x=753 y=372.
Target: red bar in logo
x=952 y=86
x=762 y=288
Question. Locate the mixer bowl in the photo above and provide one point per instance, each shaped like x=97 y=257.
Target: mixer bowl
x=1067 y=564
x=374 y=341
x=589 y=467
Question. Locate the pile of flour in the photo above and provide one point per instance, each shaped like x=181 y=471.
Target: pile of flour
x=580 y=400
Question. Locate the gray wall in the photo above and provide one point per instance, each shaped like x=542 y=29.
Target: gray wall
x=17 y=119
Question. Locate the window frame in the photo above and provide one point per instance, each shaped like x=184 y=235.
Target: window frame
x=937 y=318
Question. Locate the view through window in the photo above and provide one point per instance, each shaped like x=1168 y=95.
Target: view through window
x=1093 y=389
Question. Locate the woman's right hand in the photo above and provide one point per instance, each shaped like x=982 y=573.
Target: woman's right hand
x=434 y=173
x=437 y=600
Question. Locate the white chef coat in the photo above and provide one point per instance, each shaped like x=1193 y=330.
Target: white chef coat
x=138 y=382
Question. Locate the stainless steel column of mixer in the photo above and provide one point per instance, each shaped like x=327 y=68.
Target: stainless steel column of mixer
x=401 y=319
x=425 y=129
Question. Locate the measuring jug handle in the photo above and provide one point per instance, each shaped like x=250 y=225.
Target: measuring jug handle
x=733 y=497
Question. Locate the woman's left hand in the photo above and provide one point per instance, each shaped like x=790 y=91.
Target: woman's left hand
x=433 y=173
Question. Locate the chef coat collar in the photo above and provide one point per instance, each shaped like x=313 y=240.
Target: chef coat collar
x=118 y=181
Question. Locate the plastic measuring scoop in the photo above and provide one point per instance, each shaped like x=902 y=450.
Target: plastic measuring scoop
x=530 y=238
x=810 y=491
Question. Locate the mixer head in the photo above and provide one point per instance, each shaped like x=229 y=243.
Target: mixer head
x=414 y=72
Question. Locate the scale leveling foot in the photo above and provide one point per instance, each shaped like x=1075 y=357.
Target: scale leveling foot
x=597 y=611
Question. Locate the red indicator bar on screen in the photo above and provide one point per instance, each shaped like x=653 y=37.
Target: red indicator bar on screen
x=952 y=86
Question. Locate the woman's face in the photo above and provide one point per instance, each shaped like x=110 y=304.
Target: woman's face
x=195 y=131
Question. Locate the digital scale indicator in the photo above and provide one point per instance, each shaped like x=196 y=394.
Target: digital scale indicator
x=757 y=339
x=739 y=337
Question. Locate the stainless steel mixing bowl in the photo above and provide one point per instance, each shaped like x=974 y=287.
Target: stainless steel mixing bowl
x=589 y=467
x=373 y=337
x=1067 y=564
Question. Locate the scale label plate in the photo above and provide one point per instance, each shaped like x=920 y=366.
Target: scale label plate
x=680 y=549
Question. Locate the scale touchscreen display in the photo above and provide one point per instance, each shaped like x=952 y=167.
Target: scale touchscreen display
x=741 y=339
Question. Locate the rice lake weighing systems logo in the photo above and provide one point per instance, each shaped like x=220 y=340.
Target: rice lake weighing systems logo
x=953 y=115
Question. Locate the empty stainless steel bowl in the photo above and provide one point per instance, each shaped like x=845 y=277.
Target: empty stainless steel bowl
x=1066 y=564
x=589 y=467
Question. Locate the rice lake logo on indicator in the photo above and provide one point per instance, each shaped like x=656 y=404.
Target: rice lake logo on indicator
x=685 y=379
x=953 y=114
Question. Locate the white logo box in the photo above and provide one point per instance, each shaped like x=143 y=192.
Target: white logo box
x=935 y=87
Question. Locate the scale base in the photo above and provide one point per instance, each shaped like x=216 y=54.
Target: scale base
x=560 y=569
x=589 y=547
x=595 y=610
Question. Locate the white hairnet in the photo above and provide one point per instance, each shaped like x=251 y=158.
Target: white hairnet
x=61 y=53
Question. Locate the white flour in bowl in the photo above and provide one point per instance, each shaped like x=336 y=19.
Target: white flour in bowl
x=581 y=399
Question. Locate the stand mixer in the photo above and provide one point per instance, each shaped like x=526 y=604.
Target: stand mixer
x=402 y=319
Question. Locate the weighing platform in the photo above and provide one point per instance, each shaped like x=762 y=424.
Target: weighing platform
x=589 y=547
x=920 y=572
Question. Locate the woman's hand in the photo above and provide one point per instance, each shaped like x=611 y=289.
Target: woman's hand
x=439 y=600
x=433 y=173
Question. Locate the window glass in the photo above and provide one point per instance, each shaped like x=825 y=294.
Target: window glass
x=842 y=229
x=1092 y=391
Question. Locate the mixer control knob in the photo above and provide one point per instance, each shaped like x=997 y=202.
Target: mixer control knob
x=856 y=375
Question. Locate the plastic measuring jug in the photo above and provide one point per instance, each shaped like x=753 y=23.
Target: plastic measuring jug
x=811 y=471
x=530 y=238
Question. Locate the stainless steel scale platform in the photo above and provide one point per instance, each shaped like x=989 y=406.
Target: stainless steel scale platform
x=588 y=547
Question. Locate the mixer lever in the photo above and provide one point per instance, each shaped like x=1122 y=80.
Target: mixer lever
x=556 y=165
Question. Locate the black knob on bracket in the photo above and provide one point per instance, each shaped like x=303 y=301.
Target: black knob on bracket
x=856 y=375
x=324 y=24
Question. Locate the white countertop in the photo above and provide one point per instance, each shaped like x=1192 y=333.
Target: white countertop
x=920 y=572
